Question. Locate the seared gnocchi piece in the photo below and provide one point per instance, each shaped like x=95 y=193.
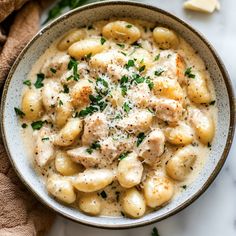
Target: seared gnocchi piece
x=179 y=135
x=70 y=38
x=85 y=156
x=158 y=190
x=86 y=47
x=197 y=89
x=203 y=124
x=129 y=172
x=152 y=147
x=169 y=88
x=80 y=93
x=142 y=58
x=180 y=165
x=121 y=31
x=65 y=166
x=116 y=98
x=92 y=180
x=61 y=188
x=64 y=109
x=165 y=38
x=90 y=203
x=44 y=150
x=133 y=203
x=69 y=132
x=32 y=105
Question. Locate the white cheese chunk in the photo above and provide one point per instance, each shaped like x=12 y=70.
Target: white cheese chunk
x=202 y=5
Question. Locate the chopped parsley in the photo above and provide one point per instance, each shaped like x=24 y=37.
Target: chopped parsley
x=103 y=194
x=19 y=113
x=39 y=81
x=102 y=86
x=121 y=45
x=129 y=64
x=188 y=73
x=155 y=232
x=123 y=155
x=157 y=57
x=37 y=125
x=103 y=40
x=45 y=139
x=53 y=70
x=126 y=107
x=142 y=68
x=27 y=82
x=24 y=125
x=184 y=187
x=212 y=103
x=129 y=26
x=73 y=64
x=208 y=145
x=150 y=83
x=159 y=72
x=140 y=138
x=87 y=111
x=93 y=146
x=88 y=56
x=65 y=88
x=89 y=150
x=150 y=110
x=60 y=103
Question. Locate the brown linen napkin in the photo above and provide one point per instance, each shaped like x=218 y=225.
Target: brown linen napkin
x=20 y=213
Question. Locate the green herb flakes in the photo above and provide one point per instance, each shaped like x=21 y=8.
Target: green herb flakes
x=123 y=155
x=60 y=103
x=184 y=187
x=129 y=26
x=103 y=194
x=37 y=125
x=27 y=82
x=142 y=68
x=121 y=45
x=73 y=64
x=54 y=71
x=45 y=139
x=65 y=88
x=212 y=103
x=19 y=113
x=24 y=125
x=188 y=73
x=103 y=40
x=157 y=57
x=39 y=81
x=89 y=150
x=126 y=107
x=87 y=111
x=140 y=138
x=129 y=64
x=159 y=72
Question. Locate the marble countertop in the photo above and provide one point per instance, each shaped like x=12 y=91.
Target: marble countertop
x=214 y=213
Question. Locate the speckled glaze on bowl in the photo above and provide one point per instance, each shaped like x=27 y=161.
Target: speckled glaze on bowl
x=86 y=15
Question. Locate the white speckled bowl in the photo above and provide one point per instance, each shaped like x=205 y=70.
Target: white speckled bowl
x=86 y=15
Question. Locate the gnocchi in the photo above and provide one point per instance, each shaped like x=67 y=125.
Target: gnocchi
x=122 y=113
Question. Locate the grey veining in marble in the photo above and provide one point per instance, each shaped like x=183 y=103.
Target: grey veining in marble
x=214 y=213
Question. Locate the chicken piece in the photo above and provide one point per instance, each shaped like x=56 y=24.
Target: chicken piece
x=109 y=149
x=100 y=61
x=152 y=146
x=44 y=150
x=56 y=66
x=80 y=93
x=137 y=121
x=140 y=95
x=85 y=156
x=50 y=92
x=167 y=110
x=95 y=128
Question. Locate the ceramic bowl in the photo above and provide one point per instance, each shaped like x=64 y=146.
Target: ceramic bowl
x=11 y=129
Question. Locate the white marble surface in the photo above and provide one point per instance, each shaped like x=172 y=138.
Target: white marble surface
x=214 y=213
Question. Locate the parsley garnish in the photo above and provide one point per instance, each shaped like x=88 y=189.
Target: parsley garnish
x=102 y=86
x=89 y=150
x=129 y=26
x=61 y=6
x=157 y=57
x=120 y=45
x=184 y=187
x=150 y=83
x=53 y=70
x=103 y=194
x=93 y=146
x=46 y=138
x=73 y=64
x=65 y=88
x=188 y=73
x=129 y=64
x=140 y=138
x=27 y=82
x=212 y=103
x=155 y=232
x=37 y=125
x=142 y=68
x=123 y=155
x=158 y=72
x=19 y=113
x=88 y=56
x=87 y=111
x=126 y=107
x=103 y=40
x=40 y=77
x=60 y=103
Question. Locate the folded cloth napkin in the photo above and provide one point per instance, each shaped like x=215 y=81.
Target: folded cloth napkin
x=20 y=213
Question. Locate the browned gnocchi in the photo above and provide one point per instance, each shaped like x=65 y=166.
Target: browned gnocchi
x=120 y=115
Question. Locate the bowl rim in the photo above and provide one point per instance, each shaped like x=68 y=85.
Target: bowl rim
x=227 y=82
